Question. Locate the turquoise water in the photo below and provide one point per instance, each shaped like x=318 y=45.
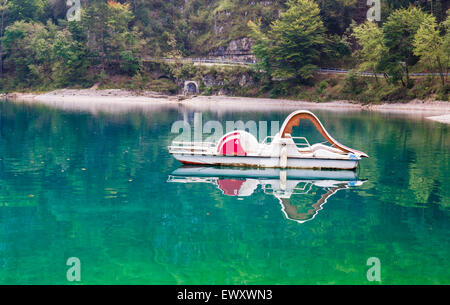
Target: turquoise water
x=100 y=187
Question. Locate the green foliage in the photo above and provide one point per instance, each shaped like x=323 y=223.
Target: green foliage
x=442 y=93
x=293 y=44
x=398 y=36
x=28 y=10
x=337 y=15
x=291 y=38
x=261 y=48
x=214 y=23
x=69 y=59
x=439 y=7
x=281 y=89
x=370 y=38
x=156 y=19
x=27 y=47
x=138 y=82
x=44 y=56
x=431 y=47
x=130 y=62
x=322 y=86
x=110 y=37
x=353 y=84
x=392 y=92
x=297 y=38
x=335 y=49
x=163 y=85
x=183 y=70
x=422 y=89
x=206 y=91
x=409 y=36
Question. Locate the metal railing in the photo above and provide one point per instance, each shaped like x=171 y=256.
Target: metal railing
x=178 y=179
x=203 y=60
x=367 y=73
x=306 y=143
x=207 y=60
x=298 y=190
x=191 y=147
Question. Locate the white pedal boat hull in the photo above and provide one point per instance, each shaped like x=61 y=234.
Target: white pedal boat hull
x=266 y=162
x=266 y=173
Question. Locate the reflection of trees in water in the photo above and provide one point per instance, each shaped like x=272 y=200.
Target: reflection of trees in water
x=409 y=160
x=48 y=149
x=143 y=223
x=300 y=199
x=408 y=156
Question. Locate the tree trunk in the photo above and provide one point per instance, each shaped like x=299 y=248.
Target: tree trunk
x=405 y=82
x=441 y=71
x=375 y=74
x=103 y=51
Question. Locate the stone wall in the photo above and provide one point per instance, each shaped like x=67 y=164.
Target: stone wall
x=238 y=49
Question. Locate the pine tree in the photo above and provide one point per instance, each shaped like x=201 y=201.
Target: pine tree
x=293 y=44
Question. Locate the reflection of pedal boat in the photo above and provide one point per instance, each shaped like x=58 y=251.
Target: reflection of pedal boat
x=283 y=184
x=240 y=148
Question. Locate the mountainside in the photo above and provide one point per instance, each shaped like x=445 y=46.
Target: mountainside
x=121 y=43
x=219 y=27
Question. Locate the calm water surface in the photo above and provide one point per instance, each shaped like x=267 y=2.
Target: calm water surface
x=101 y=187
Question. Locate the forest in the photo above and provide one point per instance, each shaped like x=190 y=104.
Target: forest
x=118 y=44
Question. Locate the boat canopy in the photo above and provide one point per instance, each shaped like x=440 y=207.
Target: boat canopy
x=294 y=120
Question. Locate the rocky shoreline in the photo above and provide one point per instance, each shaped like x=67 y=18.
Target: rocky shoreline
x=434 y=110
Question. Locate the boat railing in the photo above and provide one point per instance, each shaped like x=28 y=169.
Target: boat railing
x=298 y=190
x=184 y=147
x=297 y=143
x=267 y=138
x=191 y=179
x=305 y=143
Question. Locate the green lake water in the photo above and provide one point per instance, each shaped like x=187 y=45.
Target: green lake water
x=99 y=187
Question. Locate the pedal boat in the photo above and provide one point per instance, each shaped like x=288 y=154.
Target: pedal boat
x=292 y=187
x=240 y=148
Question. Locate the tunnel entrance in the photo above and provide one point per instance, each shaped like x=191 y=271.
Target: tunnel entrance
x=190 y=88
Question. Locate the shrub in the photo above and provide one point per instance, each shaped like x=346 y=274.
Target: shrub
x=129 y=63
x=333 y=82
x=279 y=90
x=207 y=91
x=392 y=92
x=443 y=92
x=354 y=84
x=322 y=86
x=164 y=85
x=138 y=82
